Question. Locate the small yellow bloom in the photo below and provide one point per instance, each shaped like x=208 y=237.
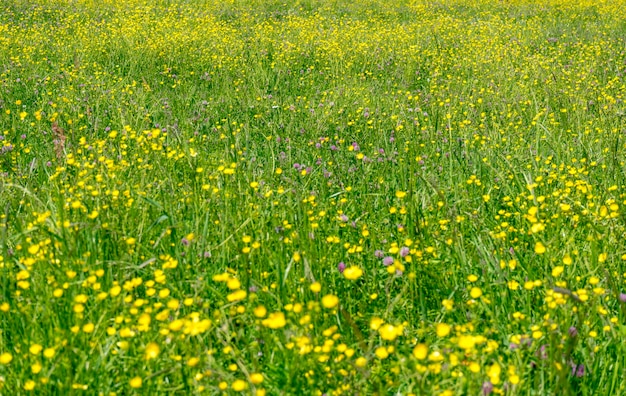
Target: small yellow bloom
x=558 y=270
x=316 y=287
x=239 y=385
x=540 y=248
x=330 y=301
x=35 y=368
x=6 y=358
x=136 y=382
x=390 y=332
x=236 y=295
x=443 y=329
x=420 y=351
x=276 y=320
x=381 y=353
x=260 y=311
x=475 y=292
x=353 y=273
x=494 y=373
x=466 y=342
x=375 y=323
x=152 y=350
x=49 y=353
x=35 y=349
x=233 y=284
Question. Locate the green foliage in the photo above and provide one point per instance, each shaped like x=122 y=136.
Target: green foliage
x=312 y=197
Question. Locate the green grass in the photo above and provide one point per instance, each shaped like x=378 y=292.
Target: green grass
x=181 y=183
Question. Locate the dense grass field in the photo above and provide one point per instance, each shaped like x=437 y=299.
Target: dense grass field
x=315 y=197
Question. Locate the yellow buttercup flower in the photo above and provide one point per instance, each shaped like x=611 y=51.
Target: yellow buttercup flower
x=330 y=301
x=275 y=320
x=353 y=273
x=152 y=350
x=136 y=382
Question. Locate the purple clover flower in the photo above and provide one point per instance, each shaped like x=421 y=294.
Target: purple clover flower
x=487 y=388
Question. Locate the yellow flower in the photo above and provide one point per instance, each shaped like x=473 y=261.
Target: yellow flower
x=361 y=362
x=443 y=329
x=513 y=377
x=400 y=194
x=494 y=373
x=420 y=351
x=330 y=301
x=540 y=248
x=152 y=350
x=256 y=378
x=558 y=270
x=29 y=385
x=276 y=320
x=466 y=342
x=353 y=273
x=233 y=284
x=260 y=311
x=513 y=284
x=236 y=295
x=389 y=332
x=35 y=349
x=316 y=287
x=176 y=325
x=375 y=323
x=136 y=382
x=239 y=385
x=475 y=292
x=35 y=368
x=6 y=358
x=381 y=353
x=131 y=241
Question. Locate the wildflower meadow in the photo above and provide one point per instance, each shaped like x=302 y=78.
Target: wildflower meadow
x=313 y=197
